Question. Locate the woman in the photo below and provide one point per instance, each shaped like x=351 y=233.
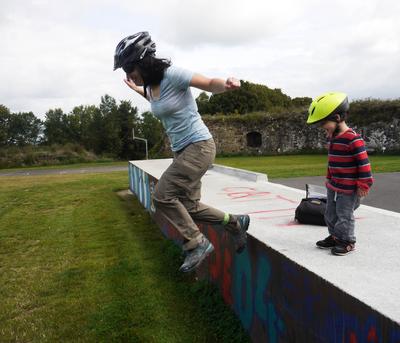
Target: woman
x=177 y=193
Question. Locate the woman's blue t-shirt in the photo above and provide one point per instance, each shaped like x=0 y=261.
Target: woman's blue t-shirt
x=177 y=109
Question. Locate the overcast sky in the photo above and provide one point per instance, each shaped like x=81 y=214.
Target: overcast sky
x=59 y=54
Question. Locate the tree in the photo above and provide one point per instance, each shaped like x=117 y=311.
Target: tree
x=128 y=119
x=250 y=97
x=81 y=123
x=363 y=112
x=203 y=103
x=151 y=129
x=4 y=123
x=301 y=101
x=20 y=129
x=23 y=129
x=111 y=126
x=117 y=122
x=55 y=127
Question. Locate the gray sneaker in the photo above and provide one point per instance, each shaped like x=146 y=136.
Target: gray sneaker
x=195 y=256
x=238 y=230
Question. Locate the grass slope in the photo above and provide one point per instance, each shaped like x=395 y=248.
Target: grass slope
x=80 y=264
x=301 y=165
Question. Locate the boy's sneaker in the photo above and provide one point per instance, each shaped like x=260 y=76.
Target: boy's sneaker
x=238 y=231
x=327 y=243
x=195 y=256
x=343 y=248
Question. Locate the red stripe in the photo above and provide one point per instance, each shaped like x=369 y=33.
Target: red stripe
x=349 y=135
x=339 y=147
x=352 y=170
x=361 y=156
x=357 y=144
x=341 y=159
x=364 y=169
x=369 y=180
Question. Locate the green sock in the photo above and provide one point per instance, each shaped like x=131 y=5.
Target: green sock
x=226 y=219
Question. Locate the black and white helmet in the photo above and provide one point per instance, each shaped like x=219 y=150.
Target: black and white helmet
x=133 y=48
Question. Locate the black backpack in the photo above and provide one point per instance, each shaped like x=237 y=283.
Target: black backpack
x=312 y=208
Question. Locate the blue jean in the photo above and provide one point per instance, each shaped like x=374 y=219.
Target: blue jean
x=339 y=214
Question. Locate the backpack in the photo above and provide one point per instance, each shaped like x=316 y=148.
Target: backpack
x=311 y=209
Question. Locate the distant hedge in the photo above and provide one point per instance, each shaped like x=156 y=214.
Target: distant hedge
x=362 y=112
x=41 y=155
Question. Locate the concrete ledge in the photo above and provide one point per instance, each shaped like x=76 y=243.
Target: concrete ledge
x=240 y=173
x=281 y=287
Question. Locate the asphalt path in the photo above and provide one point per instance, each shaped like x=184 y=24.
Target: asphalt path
x=384 y=194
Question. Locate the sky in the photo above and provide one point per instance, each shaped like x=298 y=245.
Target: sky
x=59 y=54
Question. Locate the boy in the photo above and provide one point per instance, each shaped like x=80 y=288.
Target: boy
x=349 y=171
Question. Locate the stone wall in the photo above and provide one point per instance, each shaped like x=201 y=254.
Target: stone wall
x=382 y=136
x=290 y=134
x=287 y=134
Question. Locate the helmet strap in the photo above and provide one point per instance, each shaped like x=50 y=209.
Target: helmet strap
x=336 y=132
x=145 y=89
x=337 y=119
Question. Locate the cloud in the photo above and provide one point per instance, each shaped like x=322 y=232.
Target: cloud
x=224 y=23
x=60 y=54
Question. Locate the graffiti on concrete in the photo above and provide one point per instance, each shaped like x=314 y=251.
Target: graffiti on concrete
x=276 y=299
x=252 y=194
x=139 y=185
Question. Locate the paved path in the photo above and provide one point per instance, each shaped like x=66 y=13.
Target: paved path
x=385 y=193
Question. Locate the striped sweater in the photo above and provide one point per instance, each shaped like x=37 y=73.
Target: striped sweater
x=348 y=164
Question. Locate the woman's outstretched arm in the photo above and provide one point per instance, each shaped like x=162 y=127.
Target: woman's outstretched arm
x=214 y=85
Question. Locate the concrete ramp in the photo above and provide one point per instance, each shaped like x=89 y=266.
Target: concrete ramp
x=282 y=287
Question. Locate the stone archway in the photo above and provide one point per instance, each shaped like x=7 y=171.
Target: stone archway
x=254 y=139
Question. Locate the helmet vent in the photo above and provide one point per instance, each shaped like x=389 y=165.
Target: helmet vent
x=321 y=98
x=133 y=49
x=312 y=112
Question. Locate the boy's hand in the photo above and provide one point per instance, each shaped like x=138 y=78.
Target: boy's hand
x=361 y=192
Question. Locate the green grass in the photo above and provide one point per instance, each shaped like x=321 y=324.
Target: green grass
x=285 y=166
x=78 y=263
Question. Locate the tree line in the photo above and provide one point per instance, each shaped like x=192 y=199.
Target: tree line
x=250 y=97
x=103 y=129
x=106 y=129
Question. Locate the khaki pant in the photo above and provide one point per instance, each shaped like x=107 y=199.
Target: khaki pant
x=177 y=193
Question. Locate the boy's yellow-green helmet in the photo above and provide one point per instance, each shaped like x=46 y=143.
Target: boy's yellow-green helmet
x=326 y=105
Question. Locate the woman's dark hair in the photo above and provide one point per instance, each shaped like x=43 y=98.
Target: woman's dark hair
x=151 y=69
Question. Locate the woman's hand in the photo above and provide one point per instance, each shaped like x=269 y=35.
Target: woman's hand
x=231 y=83
x=214 y=86
x=131 y=84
